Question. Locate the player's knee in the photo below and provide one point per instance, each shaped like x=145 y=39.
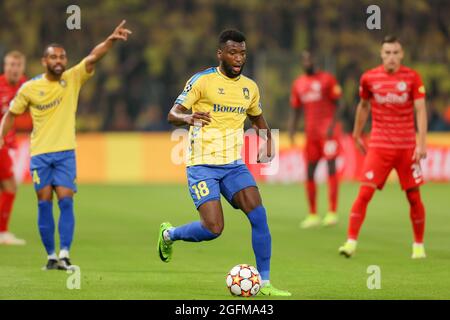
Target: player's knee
x=215 y=228
x=413 y=196
x=366 y=193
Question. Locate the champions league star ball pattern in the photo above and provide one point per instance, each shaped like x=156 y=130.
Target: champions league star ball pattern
x=243 y=280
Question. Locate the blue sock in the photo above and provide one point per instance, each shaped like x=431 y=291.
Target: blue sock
x=66 y=224
x=261 y=241
x=46 y=225
x=192 y=232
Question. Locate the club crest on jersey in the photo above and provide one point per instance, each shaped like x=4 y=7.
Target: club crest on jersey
x=63 y=83
x=221 y=91
x=316 y=86
x=246 y=93
x=369 y=175
x=401 y=86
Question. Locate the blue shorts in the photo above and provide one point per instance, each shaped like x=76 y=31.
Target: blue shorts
x=207 y=182
x=54 y=169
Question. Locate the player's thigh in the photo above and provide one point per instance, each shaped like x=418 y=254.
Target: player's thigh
x=211 y=216
x=8 y=185
x=65 y=170
x=239 y=188
x=409 y=172
x=311 y=169
x=45 y=193
x=313 y=151
x=378 y=163
x=203 y=182
x=247 y=199
x=331 y=164
x=63 y=192
x=41 y=169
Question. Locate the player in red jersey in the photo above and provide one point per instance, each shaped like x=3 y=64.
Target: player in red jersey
x=392 y=91
x=317 y=93
x=10 y=82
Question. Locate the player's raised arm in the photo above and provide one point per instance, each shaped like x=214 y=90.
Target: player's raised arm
x=178 y=116
x=119 y=33
x=422 y=127
x=362 y=114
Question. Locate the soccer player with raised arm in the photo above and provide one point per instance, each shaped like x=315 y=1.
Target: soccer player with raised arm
x=220 y=99
x=392 y=92
x=52 y=99
x=317 y=92
x=10 y=82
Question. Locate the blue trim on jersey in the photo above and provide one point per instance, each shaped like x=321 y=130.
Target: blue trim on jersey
x=201 y=73
x=37 y=77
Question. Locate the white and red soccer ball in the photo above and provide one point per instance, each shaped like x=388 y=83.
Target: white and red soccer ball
x=243 y=280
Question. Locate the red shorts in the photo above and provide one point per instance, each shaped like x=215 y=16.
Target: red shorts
x=316 y=149
x=379 y=162
x=6 y=165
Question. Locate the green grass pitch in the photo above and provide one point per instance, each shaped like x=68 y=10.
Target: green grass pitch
x=116 y=233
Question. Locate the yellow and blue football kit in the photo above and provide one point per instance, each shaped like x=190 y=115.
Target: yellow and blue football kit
x=53 y=105
x=214 y=163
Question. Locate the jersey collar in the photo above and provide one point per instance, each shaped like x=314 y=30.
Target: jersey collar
x=227 y=78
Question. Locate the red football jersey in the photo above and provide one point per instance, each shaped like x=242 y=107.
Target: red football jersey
x=317 y=94
x=7 y=93
x=391 y=97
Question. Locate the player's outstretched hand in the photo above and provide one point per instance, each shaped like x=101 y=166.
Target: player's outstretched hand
x=120 y=33
x=419 y=154
x=198 y=119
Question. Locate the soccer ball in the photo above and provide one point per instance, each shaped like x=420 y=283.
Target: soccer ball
x=243 y=280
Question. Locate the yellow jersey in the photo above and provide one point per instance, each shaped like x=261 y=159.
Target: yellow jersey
x=52 y=105
x=229 y=101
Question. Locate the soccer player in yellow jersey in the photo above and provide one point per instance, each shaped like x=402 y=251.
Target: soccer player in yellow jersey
x=52 y=99
x=220 y=99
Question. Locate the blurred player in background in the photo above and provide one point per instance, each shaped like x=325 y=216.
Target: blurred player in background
x=52 y=98
x=10 y=82
x=392 y=91
x=317 y=93
x=221 y=99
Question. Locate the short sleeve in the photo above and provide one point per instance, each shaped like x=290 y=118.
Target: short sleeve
x=418 y=89
x=255 y=106
x=80 y=74
x=19 y=104
x=191 y=94
x=335 y=91
x=364 y=92
x=295 y=98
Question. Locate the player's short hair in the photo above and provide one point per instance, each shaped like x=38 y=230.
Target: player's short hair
x=15 y=54
x=233 y=35
x=390 y=38
x=51 y=45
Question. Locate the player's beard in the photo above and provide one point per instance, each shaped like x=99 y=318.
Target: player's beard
x=56 y=72
x=229 y=72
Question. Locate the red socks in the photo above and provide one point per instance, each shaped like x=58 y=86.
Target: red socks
x=417 y=214
x=6 y=204
x=311 y=194
x=358 y=212
x=333 y=192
